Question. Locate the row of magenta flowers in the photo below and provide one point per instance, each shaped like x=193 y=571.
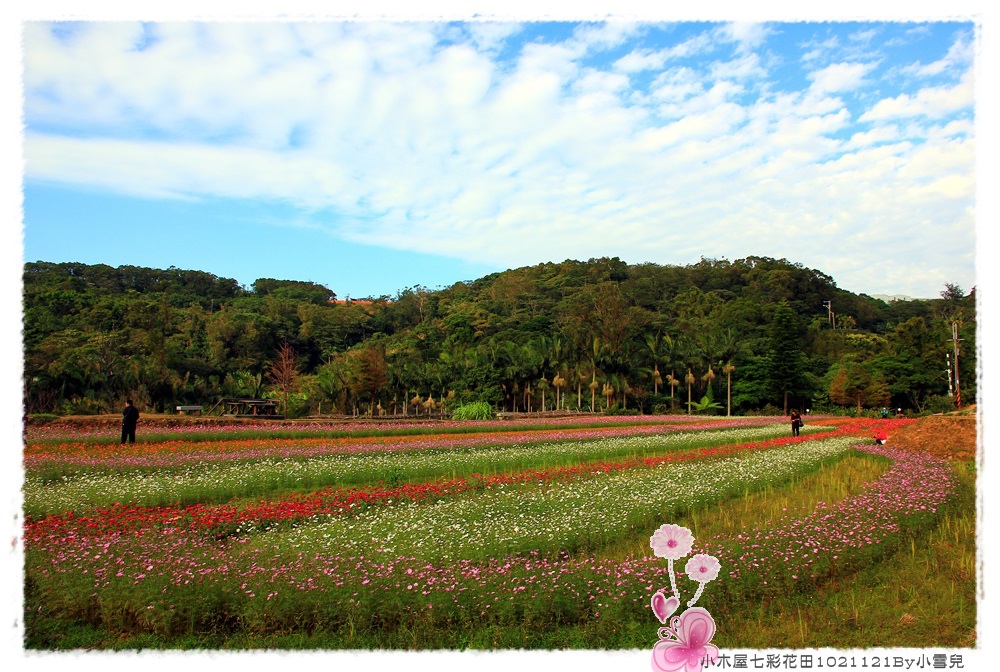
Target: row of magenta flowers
x=180 y=449
x=61 y=432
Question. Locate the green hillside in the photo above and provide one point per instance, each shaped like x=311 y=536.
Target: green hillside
x=753 y=335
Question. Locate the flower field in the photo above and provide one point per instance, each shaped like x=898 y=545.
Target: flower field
x=530 y=537
x=164 y=473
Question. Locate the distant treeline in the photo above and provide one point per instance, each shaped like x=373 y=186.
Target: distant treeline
x=751 y=335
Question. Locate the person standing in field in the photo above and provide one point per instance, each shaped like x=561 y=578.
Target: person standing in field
x=796 y=422
x=130 y=416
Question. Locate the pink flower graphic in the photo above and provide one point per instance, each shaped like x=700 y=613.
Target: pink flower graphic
x=702 y=568
x=686 y=645
x=672 y=542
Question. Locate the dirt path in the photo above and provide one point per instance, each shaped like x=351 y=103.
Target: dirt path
x=947 y=436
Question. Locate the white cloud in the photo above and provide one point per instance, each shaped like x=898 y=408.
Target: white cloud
x=877 y=135
x=637 y=61
x=941 y=161
x=745 y=67
x=489 y=36
x=820 y=50
x=186 y=170
x=674 y=86
x=839 y=77
x=747 y=35
x=602 y=36
x=655 y=59
x=933 y=102
x=711 y=123
x=439 y=147
x=863 y=36
x=960 y=56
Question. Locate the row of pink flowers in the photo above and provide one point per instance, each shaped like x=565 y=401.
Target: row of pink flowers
x=180 y=452
x=836 y=538
x=59 y=431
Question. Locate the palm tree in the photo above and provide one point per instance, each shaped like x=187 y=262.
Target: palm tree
x=689 y=379
x=608 y=391
x=729 y=345
x=673 y=382
x=446 y=399
x=652 y=350
x=511 y=357
x=596 y=351
x=728 y=370
x=558 y=382
x=543 y=385
x=704 y=347
x=708 y=378
x=532 y=362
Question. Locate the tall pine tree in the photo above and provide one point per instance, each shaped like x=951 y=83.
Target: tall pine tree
x=786 y=360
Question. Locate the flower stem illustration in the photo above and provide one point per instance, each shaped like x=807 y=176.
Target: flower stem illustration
x=684 y=645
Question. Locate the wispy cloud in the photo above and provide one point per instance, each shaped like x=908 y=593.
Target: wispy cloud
x=934 y=102
x=840 y=77
x=483 y=142
x=959 y=57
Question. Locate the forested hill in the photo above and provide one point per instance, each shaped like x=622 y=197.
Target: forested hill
x=753 y=334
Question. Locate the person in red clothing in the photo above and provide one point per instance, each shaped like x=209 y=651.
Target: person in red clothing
x=881 y=437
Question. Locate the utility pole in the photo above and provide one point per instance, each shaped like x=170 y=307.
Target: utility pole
x=951 y=391
x=829 y=314
x=955 y=339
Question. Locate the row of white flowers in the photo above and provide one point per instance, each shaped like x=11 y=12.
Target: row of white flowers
x=586 y=513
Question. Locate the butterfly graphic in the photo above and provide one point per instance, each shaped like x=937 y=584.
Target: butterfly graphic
x=685 y=645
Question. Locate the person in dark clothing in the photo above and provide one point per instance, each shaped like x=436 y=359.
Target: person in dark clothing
x=130 y=416
x=796 y=422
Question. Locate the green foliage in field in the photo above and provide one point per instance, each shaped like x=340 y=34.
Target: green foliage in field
x=476 y=410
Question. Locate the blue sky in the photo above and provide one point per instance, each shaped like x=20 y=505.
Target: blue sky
x=375 y=155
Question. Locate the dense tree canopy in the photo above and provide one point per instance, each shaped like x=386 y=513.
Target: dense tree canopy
x=596 y=334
